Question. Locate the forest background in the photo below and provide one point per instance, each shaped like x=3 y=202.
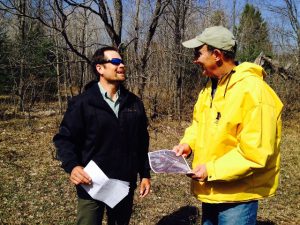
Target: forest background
x=45 y=51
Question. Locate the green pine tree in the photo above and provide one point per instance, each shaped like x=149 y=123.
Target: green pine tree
x=30 y=65
x=252 y=35
x=4 y=57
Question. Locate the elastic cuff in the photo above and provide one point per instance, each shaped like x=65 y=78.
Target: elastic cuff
x=145 y=174
x=70 y=166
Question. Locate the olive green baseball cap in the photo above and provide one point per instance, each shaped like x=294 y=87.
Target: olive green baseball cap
x=217 y=36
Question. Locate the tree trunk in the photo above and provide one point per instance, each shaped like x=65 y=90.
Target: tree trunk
x=22 y=30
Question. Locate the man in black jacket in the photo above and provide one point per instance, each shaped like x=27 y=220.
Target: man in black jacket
x=106 y=124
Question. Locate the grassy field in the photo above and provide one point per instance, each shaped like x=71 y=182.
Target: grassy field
x=35 y=190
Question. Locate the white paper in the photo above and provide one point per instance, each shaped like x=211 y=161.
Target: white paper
x=113 y=192
x=166 y=161
x=97 y=176
x=109 y=191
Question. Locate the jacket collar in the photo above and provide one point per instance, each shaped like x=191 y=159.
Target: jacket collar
x=96 y=98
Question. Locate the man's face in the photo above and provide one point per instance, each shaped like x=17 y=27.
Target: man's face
x=206 y=60
x=110 y=72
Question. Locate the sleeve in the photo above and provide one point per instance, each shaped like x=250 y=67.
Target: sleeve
x=190 y=134
x=144 y=166
x=69 y=138
x=257 y=143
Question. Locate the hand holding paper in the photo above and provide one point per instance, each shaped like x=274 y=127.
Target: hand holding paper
x=109 y=191
x=182 y=149
x=79 y=176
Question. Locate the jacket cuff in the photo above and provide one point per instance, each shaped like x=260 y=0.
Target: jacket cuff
x=211 y=173
x=70 y=166
x=145 y=174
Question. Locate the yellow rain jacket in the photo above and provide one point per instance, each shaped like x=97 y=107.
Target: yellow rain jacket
x=237 y=135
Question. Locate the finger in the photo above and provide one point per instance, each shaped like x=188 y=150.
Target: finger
x=178 y=150
x=75 y=180
x=184 y=155
x=84 y=177
x=78 y=178
x=181 y=150
x=198 y=177
x=195 y=175
x=84 y=174
x=85 y=180
x=175 y=148
x=144 y=191
x=191 y=174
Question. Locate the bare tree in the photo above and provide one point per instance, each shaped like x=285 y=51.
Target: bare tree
x=142 y=49
x=289 y=31
x=22 y=33
x=292 y=12
x=112 y=19
x=177 y=22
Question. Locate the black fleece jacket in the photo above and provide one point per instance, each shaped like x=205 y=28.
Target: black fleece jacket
x=91 y=131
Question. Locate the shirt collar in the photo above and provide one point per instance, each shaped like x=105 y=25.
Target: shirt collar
x=105 y=94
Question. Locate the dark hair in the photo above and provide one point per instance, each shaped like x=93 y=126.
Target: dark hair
x=227 y=54
x=99 y=56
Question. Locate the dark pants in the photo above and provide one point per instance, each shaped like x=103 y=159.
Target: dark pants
x=90 y=212
x=242 y=213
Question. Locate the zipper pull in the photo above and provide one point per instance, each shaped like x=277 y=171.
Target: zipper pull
x=218 y=116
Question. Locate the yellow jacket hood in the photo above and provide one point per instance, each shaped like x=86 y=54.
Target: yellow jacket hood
x=243 y=71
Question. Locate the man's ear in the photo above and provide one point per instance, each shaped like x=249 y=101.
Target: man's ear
x=218 y=54
x=99 y=68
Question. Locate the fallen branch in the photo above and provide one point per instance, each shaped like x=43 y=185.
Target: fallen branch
x=284 y=72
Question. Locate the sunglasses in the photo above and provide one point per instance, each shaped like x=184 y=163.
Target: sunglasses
x=114 y=61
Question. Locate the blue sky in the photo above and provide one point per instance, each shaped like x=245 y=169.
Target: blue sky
x=263 y=5
x=275 y=21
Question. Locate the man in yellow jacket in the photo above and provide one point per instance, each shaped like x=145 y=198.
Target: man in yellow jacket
x=235 y=133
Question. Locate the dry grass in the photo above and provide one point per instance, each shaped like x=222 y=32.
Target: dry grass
x=35 y=190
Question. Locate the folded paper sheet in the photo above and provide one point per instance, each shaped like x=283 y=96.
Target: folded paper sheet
x=109 y=191
x=166 y=161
